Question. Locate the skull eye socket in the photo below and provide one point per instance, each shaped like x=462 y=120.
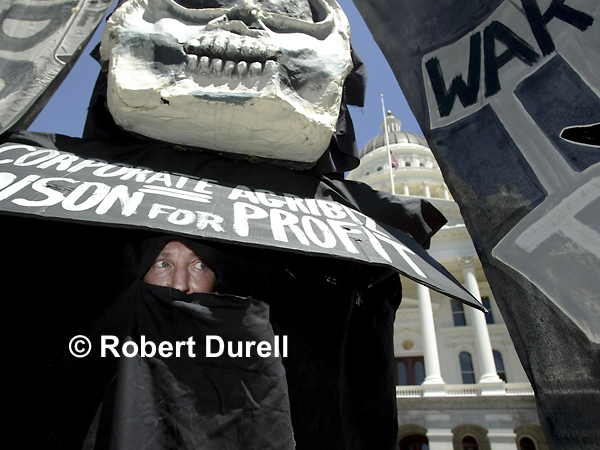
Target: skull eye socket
x=312 y=17
x=305 y=10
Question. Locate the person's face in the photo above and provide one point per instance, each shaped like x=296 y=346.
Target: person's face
x=253 y=77
x=180 y=268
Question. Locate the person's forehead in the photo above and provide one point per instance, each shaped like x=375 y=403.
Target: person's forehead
x=298 y=9
x=176 y=248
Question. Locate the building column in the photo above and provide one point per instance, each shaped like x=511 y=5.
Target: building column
x=502 y=439
x=427 y=192
x=406 y=189
x=446 y=193
x=440 y=439
x=490 y=382
x=434 y=385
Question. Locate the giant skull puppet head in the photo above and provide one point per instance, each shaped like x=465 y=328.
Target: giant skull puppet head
x=252 y=77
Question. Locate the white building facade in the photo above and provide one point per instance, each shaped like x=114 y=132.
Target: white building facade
x=460 y=385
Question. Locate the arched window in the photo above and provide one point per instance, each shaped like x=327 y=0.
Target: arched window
x=419 y=372
x=414 y=442
x=499 y=364
x=466 y=368
x=402 y=378
x=469 y=443
x=379 y=169
x=407 y=163
x=530 y=437
x=410 y=370
x=526 y=443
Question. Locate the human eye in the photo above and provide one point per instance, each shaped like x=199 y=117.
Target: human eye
x=161 y=264
x=200 y=265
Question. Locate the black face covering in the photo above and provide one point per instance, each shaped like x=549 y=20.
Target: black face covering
x=186 y=398
x=337 y=318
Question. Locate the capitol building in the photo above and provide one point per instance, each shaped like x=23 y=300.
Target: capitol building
x=460 y=385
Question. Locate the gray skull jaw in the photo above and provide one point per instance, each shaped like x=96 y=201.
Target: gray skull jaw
x=271 y=95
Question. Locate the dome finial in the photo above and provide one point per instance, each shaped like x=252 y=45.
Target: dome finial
x=389 y=112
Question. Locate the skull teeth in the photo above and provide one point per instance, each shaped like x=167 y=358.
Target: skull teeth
x=237 y=48
x=255 y=69
x=216 y=66
x=242 y=69
x=228 y=68
x=219 y=67
x=204 y=65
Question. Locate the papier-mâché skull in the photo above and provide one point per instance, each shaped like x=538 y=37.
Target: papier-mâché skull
x=254 y=78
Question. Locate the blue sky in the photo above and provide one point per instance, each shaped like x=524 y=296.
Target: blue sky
x=66 y=111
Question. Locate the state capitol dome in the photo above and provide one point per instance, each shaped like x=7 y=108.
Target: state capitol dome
x=417 y=174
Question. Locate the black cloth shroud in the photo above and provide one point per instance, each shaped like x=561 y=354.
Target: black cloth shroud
x=189 y=401
x=194 y=402
x=337 y=315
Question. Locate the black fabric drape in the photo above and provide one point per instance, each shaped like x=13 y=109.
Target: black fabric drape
x=337 y=315
x=193 y=401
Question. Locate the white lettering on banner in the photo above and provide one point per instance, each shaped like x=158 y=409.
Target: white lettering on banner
x=206 y=219
x=259 y=216
x=63 y=162
x=377 y=245
x=165 y=177
x=53 y=196
x=100 y=191
x=352 y=214
x=6 y=179
x=129 y=204
x=177 y=193
x=159 y=209
x=14 y=188
x=87 y=163
x=46 y=155
x=331 y=210
x=102 y=194
x=121 y=169
x=181 y=217
x=312 y=206
x=342 y=230
x=241 y=213
x=243 y=192
x=139 y=173
x=295 y=203
x=327 y=240
x=280 y=220
x=402 y=251
x=15 y=147
x=202 y=186
x=186 y=217
x=261 y=195
x=181 y=182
